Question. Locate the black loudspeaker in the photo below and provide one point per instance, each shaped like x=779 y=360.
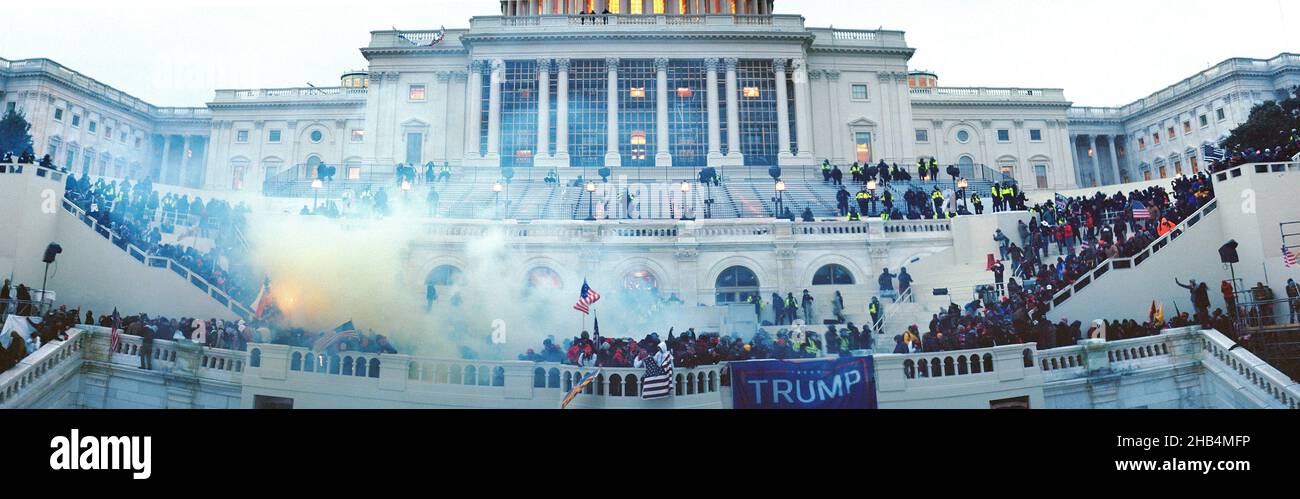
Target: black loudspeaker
x=51 y=251
x=1228 y=252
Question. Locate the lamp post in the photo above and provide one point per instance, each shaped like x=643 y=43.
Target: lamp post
x=406 y=191
x=496 y=189
x=962 y=184
x=316 y=186
x=780 y=197
x=686 y=190
x=871 y=188
x=591 y=200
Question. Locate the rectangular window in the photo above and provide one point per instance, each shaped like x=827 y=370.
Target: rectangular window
x=273 y=137
x=241 y=137
x=92 y=127
x=108 y=132
x=1142 y=144
x=758 y=121
x=58 y=115
x=1195 y=162
x=1171 y=132
x=122 y=137
x=1004 y=135
x=1035 y=135
x=76 y=121
x=358 y=135
x=1187 y=127
x=1178 y=167
x=1205 y=121
x=416 y=93
x=862 y=146
x=519 y=113
x=859 y=92
x=922 y=136
x=354 y=173
x=1040 y=174
x=1220 y=114
x=688 y=130
x=588 y=94
x=137 y=142
x=1156 y=138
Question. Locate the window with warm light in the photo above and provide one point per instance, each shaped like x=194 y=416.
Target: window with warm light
x=358 y=135
x=685 y=92
x=1187 y=127
x=354 y=173
x=416 y=93
x=637 y=92
x=659 y=7
x=638 y=149
x=1196 y=164
x=733 y=6
x=636 y=8
x=750 y=92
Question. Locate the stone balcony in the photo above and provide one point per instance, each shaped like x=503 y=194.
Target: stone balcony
x=949 y=95
x=297 y=94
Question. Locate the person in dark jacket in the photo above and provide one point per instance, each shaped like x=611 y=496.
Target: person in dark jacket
x=899 y=347
x=904 y=281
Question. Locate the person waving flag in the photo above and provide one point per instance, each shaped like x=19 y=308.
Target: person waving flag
x=1288 y=257
x=586 y=299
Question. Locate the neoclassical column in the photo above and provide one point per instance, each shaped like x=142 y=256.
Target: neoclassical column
x=782 y=111
x=733 y=116
x=494 y=111
x=562 y=112
x=473 y=110
x=802 y=110
x=185 y=159
x=715 y=127
x=543 y=149
x=166 y=158
x=1074 y=157
x=612 y=158
x=663 y=155
x=1092 y=156
x=1114 y=161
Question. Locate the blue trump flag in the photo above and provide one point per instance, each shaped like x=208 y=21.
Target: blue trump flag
x=842 y=383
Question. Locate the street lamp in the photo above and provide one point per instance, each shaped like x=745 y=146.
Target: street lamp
x=780 y=197
x=591 y=196
x=686 y=189
x=496 y=189
x=871 y=187
x=316 y=186
x=962 y=184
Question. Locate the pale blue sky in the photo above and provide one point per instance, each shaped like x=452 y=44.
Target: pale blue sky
x=1102 y=52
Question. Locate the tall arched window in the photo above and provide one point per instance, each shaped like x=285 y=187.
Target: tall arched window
x=640 y=279
x=967 y=166
x=440 y=279
x=543 y=278
x=833 y=275
x=736 y=285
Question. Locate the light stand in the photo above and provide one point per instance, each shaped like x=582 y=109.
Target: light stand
x=780 y=197
x=316 y=186
x=496 y=200
x=686 y=190
x=591 y=199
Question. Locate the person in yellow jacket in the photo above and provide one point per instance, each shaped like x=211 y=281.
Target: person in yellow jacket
x=855 y=172
x=921 y=169
x=1008 y=197
x=854 y=217
x=863 y=198
x=996 y=191
x=937 y=197
x=977 y=202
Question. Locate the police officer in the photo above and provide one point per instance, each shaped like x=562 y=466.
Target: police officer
x=977 y=202
x=920 y=169
x=863 y=197
x=853 y=216
x=1009 y=197
x=937 y=197
x=842 y=201
x=855 y=172
x=877 y=310
x=826 y=170
x=997 y=197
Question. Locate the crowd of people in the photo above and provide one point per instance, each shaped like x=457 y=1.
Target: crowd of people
x=141 y=215
x=1287 y=147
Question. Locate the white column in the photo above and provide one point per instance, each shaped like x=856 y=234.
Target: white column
x=185 y=159
x=494 y=112
x=715 y=128
x=734 y=157
x=166 y=158
x=612 y=158
x=663 y=156
x=562 y=112
x=782 y=111
x=1114 y=161
x=802 y=110
x=1092 y=148
x=543 y=148
x=473 y=110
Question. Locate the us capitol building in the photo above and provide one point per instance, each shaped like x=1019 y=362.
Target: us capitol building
x=653 y=83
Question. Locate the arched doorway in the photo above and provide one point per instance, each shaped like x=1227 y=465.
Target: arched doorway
x=543 y=278
x=833 y=275
x=440 y=280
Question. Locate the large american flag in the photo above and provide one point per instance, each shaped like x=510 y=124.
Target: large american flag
x=116 y=336
x=1288 y=257
x=658 y=379
x=1212 y=153
x=586 y=298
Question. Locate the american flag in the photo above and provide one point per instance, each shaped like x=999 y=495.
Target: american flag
x=116 y=336
x=586 y=298
x=344 y=331
x=1140 y=211
x=658 y=379
x=1212 y=153
x=1288 y=257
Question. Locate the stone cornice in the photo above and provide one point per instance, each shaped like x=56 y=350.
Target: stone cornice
x=288 y=104
x=469 y=40
x=996 y=103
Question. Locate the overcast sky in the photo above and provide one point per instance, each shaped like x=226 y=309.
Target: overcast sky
x=1102 y=52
